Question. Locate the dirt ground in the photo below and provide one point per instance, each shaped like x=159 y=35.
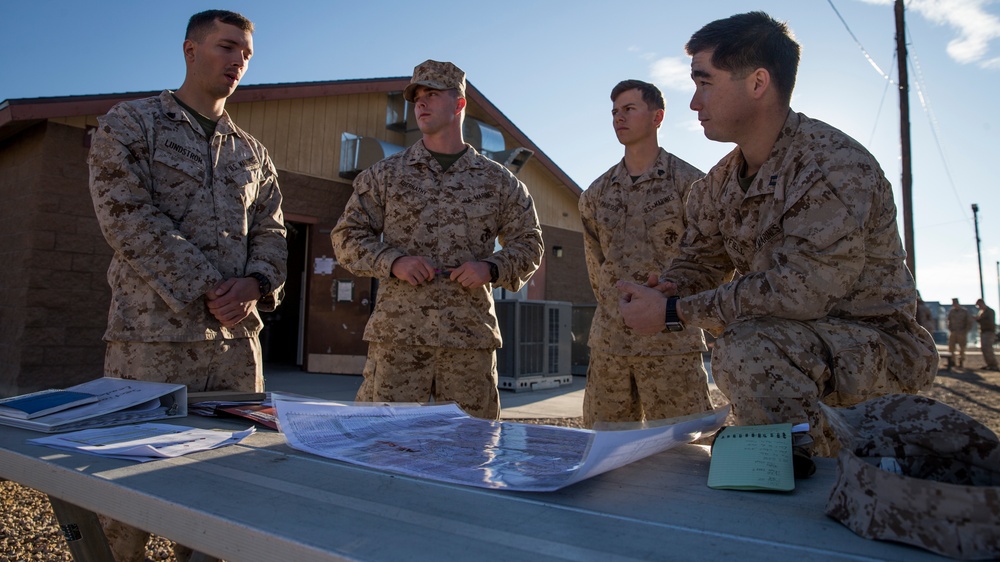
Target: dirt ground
x=29 y=532
x=971 y=390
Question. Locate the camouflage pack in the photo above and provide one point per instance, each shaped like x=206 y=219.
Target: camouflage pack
x=916 y=471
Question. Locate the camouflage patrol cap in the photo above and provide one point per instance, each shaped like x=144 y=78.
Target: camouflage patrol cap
x=436 y=75
x=916 y=471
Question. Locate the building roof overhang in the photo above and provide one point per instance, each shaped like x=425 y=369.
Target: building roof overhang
x=19 y=114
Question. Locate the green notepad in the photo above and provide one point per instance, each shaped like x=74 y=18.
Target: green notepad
x=753 y=457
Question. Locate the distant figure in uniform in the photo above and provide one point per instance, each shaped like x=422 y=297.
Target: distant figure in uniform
x=924 y=316
x=987 y=321
x=424 y=222
x=633 y=219
x=959 y=324
x=190 y=205
x=821 y=305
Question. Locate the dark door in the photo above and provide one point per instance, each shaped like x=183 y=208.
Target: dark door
x=280 y=339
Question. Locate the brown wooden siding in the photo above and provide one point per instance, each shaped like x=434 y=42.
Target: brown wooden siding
x=304 y=136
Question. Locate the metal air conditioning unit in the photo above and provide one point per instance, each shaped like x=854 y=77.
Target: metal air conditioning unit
x=357 y=153
x=514 y=159
x=399 y=114
x=537 y=339
x=482 y=137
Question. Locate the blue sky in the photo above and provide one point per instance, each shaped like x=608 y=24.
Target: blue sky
x=550 y=66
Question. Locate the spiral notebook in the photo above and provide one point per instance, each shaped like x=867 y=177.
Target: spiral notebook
x=753 y=457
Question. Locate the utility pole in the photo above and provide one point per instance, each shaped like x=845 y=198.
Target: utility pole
x=975 y=219
x=904 y=135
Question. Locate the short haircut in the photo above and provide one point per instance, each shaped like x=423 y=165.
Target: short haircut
x=201 y=22
x=650 y=93
x=746 y=42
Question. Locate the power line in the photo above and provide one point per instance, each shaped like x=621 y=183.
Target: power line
x=881 y=103
x=864 y=51
x=888 y=79
x=926 y=106
x=914 y=62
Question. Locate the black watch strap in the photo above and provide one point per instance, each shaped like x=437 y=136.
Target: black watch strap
x=263 y=283
x=494 y=272
x=672 y=321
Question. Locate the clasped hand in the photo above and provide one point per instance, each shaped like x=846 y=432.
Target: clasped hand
x=644 y=307
x=233 y=300
x=417 y=270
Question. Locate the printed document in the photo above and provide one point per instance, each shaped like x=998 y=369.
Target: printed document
x=143 y=442
x=445 y=443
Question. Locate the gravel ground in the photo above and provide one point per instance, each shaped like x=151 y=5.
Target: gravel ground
x=29 y=532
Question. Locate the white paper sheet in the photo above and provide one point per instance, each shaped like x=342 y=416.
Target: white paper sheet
x=143 y=442
x=444 y=443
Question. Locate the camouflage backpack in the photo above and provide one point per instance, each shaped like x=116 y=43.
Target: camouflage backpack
x=916 y=471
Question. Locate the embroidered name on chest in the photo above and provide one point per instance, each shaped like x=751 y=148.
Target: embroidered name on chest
x=184 y=151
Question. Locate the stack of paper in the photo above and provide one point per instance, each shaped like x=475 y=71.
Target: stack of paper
x=143 y=442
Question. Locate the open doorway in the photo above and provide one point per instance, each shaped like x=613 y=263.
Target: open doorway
x=281 y=337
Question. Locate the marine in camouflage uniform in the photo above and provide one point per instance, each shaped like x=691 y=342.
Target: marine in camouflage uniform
x=183 y=212
x=924 y=316
x=433 y=333
x=959 y=324
x=987 y=334
x=632 y=227
x=821 y=306
x=190 y=205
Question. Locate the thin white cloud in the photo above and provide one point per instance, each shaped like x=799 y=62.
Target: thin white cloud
x=975 y=26
x=672 y=73
x=991 y=63
x=691 y=125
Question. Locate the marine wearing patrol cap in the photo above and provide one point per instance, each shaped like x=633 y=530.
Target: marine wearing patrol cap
x=436 y=75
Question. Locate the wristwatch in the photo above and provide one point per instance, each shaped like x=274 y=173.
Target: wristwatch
x=263 y=283
x=672 y=321
x=494 y=272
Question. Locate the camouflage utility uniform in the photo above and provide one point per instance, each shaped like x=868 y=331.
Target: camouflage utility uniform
x=631 y=229
x=821 y=306
x=406 y=205
x=959 y=324
x=924 y=317
x=987 y=335
x=183 y=212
